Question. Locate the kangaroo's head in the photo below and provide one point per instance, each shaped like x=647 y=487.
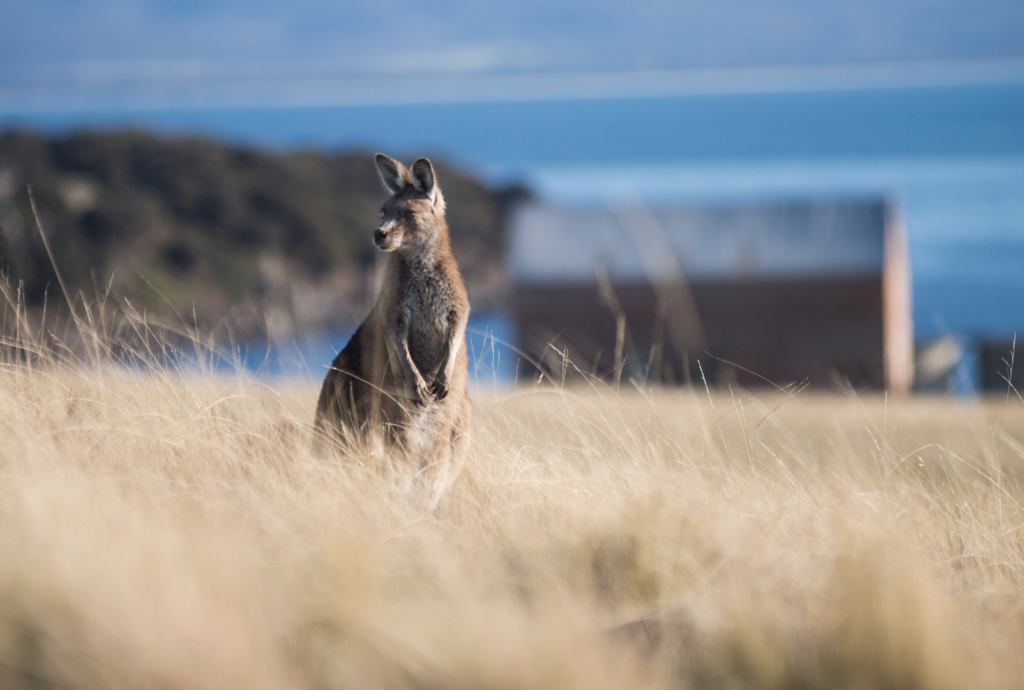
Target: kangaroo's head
x=413 y=217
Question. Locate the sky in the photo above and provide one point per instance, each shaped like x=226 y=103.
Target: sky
x=103 y=49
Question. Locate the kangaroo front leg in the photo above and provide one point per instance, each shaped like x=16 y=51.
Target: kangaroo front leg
x=456 y=339
x=397 y=332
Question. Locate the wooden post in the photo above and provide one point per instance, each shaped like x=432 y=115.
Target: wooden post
x=898 y=324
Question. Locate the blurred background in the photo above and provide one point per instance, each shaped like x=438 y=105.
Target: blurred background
x=838 y=187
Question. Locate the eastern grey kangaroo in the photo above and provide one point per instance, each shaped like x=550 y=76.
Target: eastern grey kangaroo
x=402 y=377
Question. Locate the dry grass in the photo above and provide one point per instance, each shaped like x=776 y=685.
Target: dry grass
x=172 y=530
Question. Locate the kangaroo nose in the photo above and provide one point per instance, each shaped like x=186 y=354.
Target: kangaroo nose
x=378 y=236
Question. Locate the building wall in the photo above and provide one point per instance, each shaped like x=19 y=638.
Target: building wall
x=773 y=332
x=1001 y=367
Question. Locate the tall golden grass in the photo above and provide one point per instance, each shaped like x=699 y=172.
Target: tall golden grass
x=163 y=526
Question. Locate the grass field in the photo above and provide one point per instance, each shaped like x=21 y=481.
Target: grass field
x=173 y=530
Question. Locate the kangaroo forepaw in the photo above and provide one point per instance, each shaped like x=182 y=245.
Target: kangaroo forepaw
x=439 y=389
x=423 y=394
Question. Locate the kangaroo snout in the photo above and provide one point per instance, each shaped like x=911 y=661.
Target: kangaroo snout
x=388 y=237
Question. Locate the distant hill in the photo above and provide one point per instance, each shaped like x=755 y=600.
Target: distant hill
x=234 y=235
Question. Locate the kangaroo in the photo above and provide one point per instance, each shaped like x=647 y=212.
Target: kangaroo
x=401 y=379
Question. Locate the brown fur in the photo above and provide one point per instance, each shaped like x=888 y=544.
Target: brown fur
x=402 y=377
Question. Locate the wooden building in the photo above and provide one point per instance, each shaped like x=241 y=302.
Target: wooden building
x=779 y=293
x=1001 y=366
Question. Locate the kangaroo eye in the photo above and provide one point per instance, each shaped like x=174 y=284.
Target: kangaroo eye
x=409 y=215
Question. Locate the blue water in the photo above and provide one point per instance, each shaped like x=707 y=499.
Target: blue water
x=489 y=343
x=951 y=156
x=514 y=137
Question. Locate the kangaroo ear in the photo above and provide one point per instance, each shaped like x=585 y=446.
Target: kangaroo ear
x=392 y=173
x=424 y=180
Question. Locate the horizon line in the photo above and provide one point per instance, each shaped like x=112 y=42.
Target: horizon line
x=439 y=89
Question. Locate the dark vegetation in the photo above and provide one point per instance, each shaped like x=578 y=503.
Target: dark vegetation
x=216 y=235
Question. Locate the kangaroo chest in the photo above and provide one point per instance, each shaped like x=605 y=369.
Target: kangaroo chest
x=426 y=301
